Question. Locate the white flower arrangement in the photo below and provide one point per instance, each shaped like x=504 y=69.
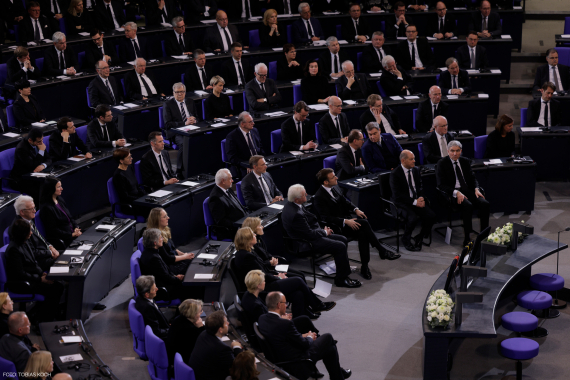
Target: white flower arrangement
x=503 y=235
x=439 y=308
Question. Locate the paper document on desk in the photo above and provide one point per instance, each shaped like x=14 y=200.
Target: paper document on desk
x=296 y=153
x=120 y=107
x=349 y=102
x=276 y=206
x=319 y=107
x=431 y=38
x=209 y=54
x=160 y=193
x=565 y=35
x=166 y=24
x=203 y=276
x=336 y=146
x=127 y=144
x=452 y=96
x=130 y=105
x=396 y=97
x=342 y=42
x=496 y=71
x=188 y=128
x=495 y=161
x=76 y=159
x=282 y=268
x=505 y=36
x=38 y=124
x=120 y=29
x=72 y=252
x=484 y=96
x=207 y=256
x=47 y=41
x=59 y=270
x=401 y=38
x=411 y=97
x=375 y=75
x=221 y=119
x=31 y=43
x=277 y=49
x=401 y=137
x=322 y=288
x=331 y=13
x=51 y=122
x=105 y=227
x=319 y=43
x=85 y=247
x=180 y=57
x=531 y=129
x=72 y=339
x=188 y=183
x=255 y=18
x=218 y=125
x=469 y=71
x=517 y=7
x=460 y=9
x=71 y=358
x=10 y=134
x=374 y=11
x=84 y=34
x=131 y=63
x=40 y=174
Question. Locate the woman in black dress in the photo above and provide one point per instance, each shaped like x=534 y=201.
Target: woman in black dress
x=217 y=104
x=27 y=110
x=315 y=87
x=501 y=142
x=76 y=20
x=184 y=330
x=125 y=182
x=272 y=35
x=5 y=310
x=287 y=67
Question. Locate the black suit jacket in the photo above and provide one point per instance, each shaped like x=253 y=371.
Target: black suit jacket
x=329 y=131
x=150 y=170
x=464 y=57
x=21 y=265
x=154 y=14
x=182 y=336
x=445 y=175
x=16 y=73
x=405 y=59
x=17 y=350
x=213 y=359
x=543 y=76
x=361 y=84
x=40 y=250
x=393 y=86
x=449 y=25
x=325 y=61
x=11 y=10
x=51 y=61
x=400 y=188
x=152 y=264
x=493 y=23
x=245 y=262
x=93 y=55
x=56 y=223
x=99 y=94
x=95 y=135
x=393 y=31
x=223 y=210
x=346 y=166
x=319 y=6
x=237 y=148
x=173 y=117
x=194 y=10
x=26 y=159
x=301 y=224
x=103 y=20
x=462 y=80
x=253 y=92
x=213 y=38
x=533 y=113
x=253 y=306
x=59 y=150
x=152 y=317
x=290 y=137
x=349 y=32
x=46 y=7
x=192 y=78
x=24 y=112
x=430 y=146
x=332 y=210
x=26 y=29
x=173 y=47
x=230 y=75
x=234 y=8
x=252 y=192
x=370 y=62
x=127 y=51
x=280 y=8
x=133 y=85
x=388 y=113
x=425 y=117
x=286 y=342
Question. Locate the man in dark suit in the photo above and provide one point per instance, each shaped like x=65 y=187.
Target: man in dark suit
x=372 y=54
x=16 y=346
x=355 y=28
x=545 y=111
x=303 y=226
x=144 y=303
x=335 y=209
x=487 y=24
x=225 y=206
x=381 y=151
x=289 y=345
x=408 y=195
x=20 y=67
x=262 y=92
x=141 y=84
x=242 y=143
x=161 y=11
x=212 y=358
x=330 y=61
x=351 y=85
x=395 y=80
x=103 y=88
x=198 y=10
x=552 y=72
x=388 y=120
x=35 y=26
x=100 y=50
x=178 y=112
x=155 y=166
x=454 y=81
x=237 y=70
x=434 y=144
x=65 y=143
x=221 y=36
x=287 y=7
x=429 y=109
x=296 y=132
x=443 y=26
x=396 y=26
x=178 y=43
x=132 y=47
x=349 y=162
x=30 y=155
x=198 y=76
x=109 y=15
x=102 y=131
x=415 y=53
x=472 y=56
x=54 y=9
x=258 y=187
x=13 y=11
x=455 y=178
x=61 y=60
x=333 y=126
x=306 y=29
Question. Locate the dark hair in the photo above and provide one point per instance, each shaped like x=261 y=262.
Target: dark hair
x=550 y=51
x=306 y=68
x=323 y=175
x=235 y=45
x=502 y=121
x=272 y=300
x=21 y=52
x=34 y=133
x=62 y=123
x=215 y=321
x=472 y=32
x=47 y=190
x=19 y=231
x=94 y=32
x=101 y=110
x=20 y=85
x=33 y=4
x=547 y=85
x=152 y=136
x=198 y=52
x=253 y=160
x=353 y=135
x=410 y=24
x=300 y=106
x=120 y=154
x=481 y=3
x=399 y=4
x=287 y=48
x=243 y=367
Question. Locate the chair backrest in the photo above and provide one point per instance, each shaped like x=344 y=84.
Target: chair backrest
x=246 y=323
x=39 y=223
x=157 y=357
x=415 y=117
x=10 y=116
x=563 y=55
x=254 y=40
x=480 y=146
x=339 y=32
x=318 y=133
x=5 y=236
x=137 y=327
x=566 y=25
x=62 y=27
x=421 y=153
x=240 y=193
x=114 y=199
x=383 y=26
x=182 y=78
x=240 y=285
x=208 y=219
x=82 y=133
x=46 y=142
x=223 y=147
x=40 y=63
x=140 y=246
x=245 y=103
x=88 y=99
x=523 y=116
x=7 y=162
x=160 y=118
x=267 y=350
x=276 y=140
x=381 y=90
x=329 y=162
x=3 y=277
x=81 y=58
x=138 y=173
x=437 y=79
x=290 y=34
x=203 y=109
x=136 y=267
x=272 y=70
x=358 y=61
x=181 y=370
x=3 y=73
x=8 y=369
x=297 y=94
x=385 y=189
x=123 y=85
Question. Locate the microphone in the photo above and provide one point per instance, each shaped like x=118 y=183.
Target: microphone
x=556 y=303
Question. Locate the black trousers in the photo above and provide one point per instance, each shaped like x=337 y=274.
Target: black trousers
x=49 y=309
x=365 y=237
x=297 y=292
x=466 y=209
x=303 y=324
x=413 y=215
x=324 y=348
x=335 y=245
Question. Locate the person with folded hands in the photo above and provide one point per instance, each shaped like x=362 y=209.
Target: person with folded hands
x=501 y=141
x=30 y=157
x=20 y=67
x=315 y=86
x=27 y=109
x=454 y=81
x=381 y=151
x=218 y=104
x=272 y=34
x=155 y=166
x=287 y=66
x=125 y=182
x=178 y=43
x=66 y=143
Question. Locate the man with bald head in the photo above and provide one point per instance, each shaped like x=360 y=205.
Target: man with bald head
x=429 y=109
x=16 y=346
x=103 y=88
x=140 y=83
x=487 y=24
x=221 y=36
x=435 y=143
x=333 y=126
x=408 y=195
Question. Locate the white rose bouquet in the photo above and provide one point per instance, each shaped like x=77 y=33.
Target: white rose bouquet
x=439 y=308
x=503 y=235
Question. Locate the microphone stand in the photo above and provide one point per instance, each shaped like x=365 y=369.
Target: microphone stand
x=556 y=303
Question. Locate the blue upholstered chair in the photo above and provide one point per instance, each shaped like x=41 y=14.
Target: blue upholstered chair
x=254 y=40
x=381 y=90
x=137 y=327
x=181 y=370
x=318 y=134
x=480 y=146
x=519 y=349
x=239 y=193
x=421 y=156
x=6 y=165
x=209 y=220
x=272 y=70
x=22 y=298
x=116 y=204
x=276 y=140
x=297 y=94
x=82 y=133
x=519 y=321
x=7 y=367
x=329 y=162
x=523 y=117
x=157 y=357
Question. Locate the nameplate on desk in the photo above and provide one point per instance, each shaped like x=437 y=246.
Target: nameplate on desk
x=31 y=43
x=411 y=97
x=188 y=128
x=160 y=193
x=71 y=358
x=431 y=38
x=296 y=153
x=255 y=18
x=203 y=276
x=120 y=108
x=84 y=34
x=59 y=270
x=319 y=43
x=336 y=146
x=460 y=8
x=342 y=42
x=349 y=102
x=210 y=54
x=85 y=247
x=469 y=71
x=495 y=71
x=274 y=114
x=105 y=227
x=10 y=134
x=73 y=252
x=180 y=57
x=401 y=137
x=319 y=107
x=38 y=124
x=374 y=11
x=218 y=125
x=396 y=97
x=506 y=36
x=375 y=75
x=15 y=47
x=276 y=206
x=201 y=93
x=452 y=96
x=72 y=339
x=285 y=15
x=494 y=161
x=76 y=158
x=127 y=144
x=207 y=21
x=207 y=256
x=282 y=268
x=40 y=174
x=531 y=129
x=130 y=105
x=188 y=183
x=401 y=38
x=331 y=13
x=277 y=49
x=484 y=96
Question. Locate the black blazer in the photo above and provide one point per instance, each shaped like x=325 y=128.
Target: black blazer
x=464 y=57
x=26 y=29
x=280 y=8
x=99 y=94
x=393 y=31
x=320 y=6
x=405 y=58
x=400 y=188
x=299 y=30
x=133 y=85
x=56 y=223
x=370 y=62
x=46 y=7
x=173 y=117
x=127 y=51
x=332 y=210
x=213 y=39
x=281 y=334
x=430 y=146
x=40 y=249
x=213 y=359
x=290 y=137
x=388 y=113
x=393 y=86
x=237 y=148
x=194 y=10
x=543 y=76
x=253 y=92
x=59 y=151
x=77 y=24
x=152 y=316
x=223 y=210
x=424 y=120
x=103 y=20
x=93 y=55
x=95 y=135
x=462 y=80
x=234 y=8
x=215 y=106
x=346 y=166
x=449 y=25
x=126 y=185
x=361 y=85
x=314 y=88
x=172 y=45
x=325 y=61
x=246 y=261
x=192 y=78
x=230 y=75
x=493 y=23
x=182 y=336
x=152 y=264
x=51 y=61
x=445 y=175
x=252 y=192
x=154 y=14
x=26 y=159
x=150 y=170
x=533 y=112
x=21 y=265
x=284 y=72
x=16 y=73
x=349 y=32
x=253 y=306
x=11 y=10
x=300 y=223
x=329 y=131
x=27 y=113
x=268 y=41
x=498 y=146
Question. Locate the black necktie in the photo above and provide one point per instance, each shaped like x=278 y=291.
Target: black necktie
x=242 y=77
x=183 y=112
x=335 y=69
x=203 y=75
x=453 y=82
x=247 y=11
x=380 y=55
x=181 y=42
x=37 y=32
x=310 y=29
x=413 y=190
x=55 y=7
x=441 y=25
x=265 y=189
x=300 y=131
x=434 y=110
x=263 y=89
x=61 y=61
x=137 y=50
x=162 y=166
x=110 y=13
x=228 y=40
x=105 y=133
x=234 y=200
x=250 y=144
x=546 y=114
x=101 y=52
x=2 y=125
x=356 y=27
x=146 y=86
x=110 y=91
x=413 y=55
x=460 y=177
x=338 y=127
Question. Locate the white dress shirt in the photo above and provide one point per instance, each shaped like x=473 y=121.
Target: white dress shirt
x=456 y=79
x=457 y=184
x=227 y=44
x=204 y=85
x=261 y=179
x=237 y=71
x=149 y=83
x=243 y=15
x=103 y=128
x=439 y=139
x=158 y=160
x=551 y=77
x=136 y=40
x=117 y=26
x=387 y=125
x=418 y=62
x=185 y=108
x=541 y=116
x=358 y=164
x=245 y=134
x=413 y=184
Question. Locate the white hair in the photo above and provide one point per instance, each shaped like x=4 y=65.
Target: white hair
x=20 y=203
x=453 y=143
x=222 y=175
x=259 y=66
x=57 y=37
x=303 y=5
x=241 y=117
x=131 y=25
x=178 y=85
x=295 y=192
x=437 y=119
x=347 y=62
x=331 y=39
x=387 y=60
x=138 y=60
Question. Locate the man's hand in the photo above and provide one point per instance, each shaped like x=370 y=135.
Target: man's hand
x=273 y=262
x=376 y=112
x=375 y=9
x=460 y=197
x=187 y=53
x=88 y=155
x=121 y=142
x=36 y=346
x=65 y=136
x=315 y=38
x=456 y=91
x=421 y=203
x=180 y=277
x=418 y=68
x=39 y=168
x=344 y=140
x=171 y=181
x=54 y=252
x=311 y=334
x=18 y=19
x=107 y=58
x=360 y=214
x=262 y=100
x=70 y=71
x=27 y=64
x=448 y=35
x=190 y=120
x=236 y=344
x=217 y=49
x=249 y=170
x=210 y=87
x=45 y=280
x=439 y=36
x=287 y=316
x=396 y=72
x=401 y=131
x=352 y=223
x=277 y=199
x=76 y=232
x=361 y=39
x=190 y=255
x=309 y=145
x=328 y=231
x=282 y=276
x=361 y=162
x=421 y=7
x=351 y=81
x=478 y=194
x=58 y=16
x=401 y=19
x=337 y=75
x=42 y=146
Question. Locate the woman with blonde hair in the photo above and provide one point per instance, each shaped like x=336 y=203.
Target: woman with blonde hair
x=270 y=34
x=217 y=104
x=7 y=307
x=244 y=367
x=176 y=260
x=40 y=366
x=184 y=330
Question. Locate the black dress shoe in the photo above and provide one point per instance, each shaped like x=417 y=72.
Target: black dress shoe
x=347 y=283
x=392 y=255
x=410 y=247
x=312 y=315
x=354 y=281
x=317 y=375
x=365 y=272
x=312 y=310
x=382 y=251
x=346 y=373
x=326 y=306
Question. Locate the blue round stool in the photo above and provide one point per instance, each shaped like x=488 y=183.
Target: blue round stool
x=519 y=349
x=549 y=282
x=519 y=321
x=535 y=300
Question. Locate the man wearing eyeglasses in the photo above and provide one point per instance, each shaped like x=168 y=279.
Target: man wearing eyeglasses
x=487 y=24
x=415 y=53
x=100 y=50
x=179 y=42
x=262 y=92
x=103 y=88
x=442 y=26
x=221 y=36
x=333 y=126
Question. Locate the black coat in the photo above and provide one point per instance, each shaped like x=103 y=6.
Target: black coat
x=127 y=51
x=253 y=92
x=234 y=8
x=93 y=55
x=230 y=75
x=151 y=172
x=152 y=264
x=126 y=185
x=543 y=76
x=103 y=20
x=223 y=210
x=192 y=78
x=393 y=31
x=388 y=113
x=393 y=86
x=286 y=72
x=172 y=45
x=46 y=7
x=237 y=148
x=77 y=24
x=40 y=247
x=493 y=23
x=325 y=61
x=56 y=223
x=245 y=261
x=332 y=210
x=11 y=10
x=152 y=317
x=445 y=175
x=26 y=159
x=424 y=50
x=26 y=29
x=95 y=135
x=133 y=85
x=51 y=61
x=252 y=192
x=99 y=94
x=253 y=306
x=359 y=90
x=173 y=117
x=16 y=73
x=213 y=38
x=346 y=166
x=424 y=120
x=329 y=131
x=21 y=264
x=349 y=32
x=213 y=359
x=154 y=14
x=215 y=106
x=533 y=112
x=290 y=137
x=275 y=40
x=320 y=6
x=59 y=150
x=430 y=146
x=194 y=10
x=400 y=188
x=462 y=80
x=464 y=57
x=314 y=88
x=27 y=113
x=498 y=146
x=301 y=224
x=449 y=25
x=286 y=342
x=370 y=62
x=182 y=336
